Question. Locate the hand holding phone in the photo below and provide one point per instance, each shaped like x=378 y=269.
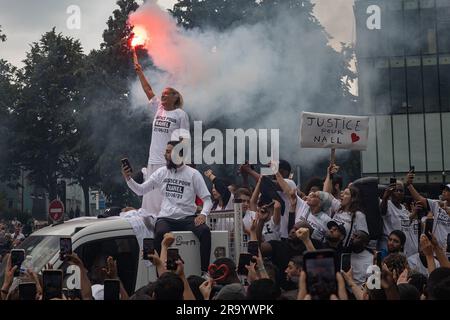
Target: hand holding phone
x=17 y=258
x=346 y=262
x=320 y=269
x=429 y=228
x=52 y=284
x=65 y=247
x=126 y=164
x=27 y=291
x=148 y=248
x=378 y=259
x=244 y=260
x=111 y=290
x=172 y=257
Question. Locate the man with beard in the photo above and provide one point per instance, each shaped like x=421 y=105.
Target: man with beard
x=179 y=185
x=292 y=272
x=361 y=256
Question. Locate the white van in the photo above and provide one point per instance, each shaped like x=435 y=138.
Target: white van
x=93 y=238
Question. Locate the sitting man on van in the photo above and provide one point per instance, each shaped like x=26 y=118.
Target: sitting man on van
x=179 y=185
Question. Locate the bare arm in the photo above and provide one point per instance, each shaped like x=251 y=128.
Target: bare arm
x=283 y=184
x=277 y=213
x=144 y=83
x=328 y=183
x=413 y=191
x=384 y=201
x=255 y=195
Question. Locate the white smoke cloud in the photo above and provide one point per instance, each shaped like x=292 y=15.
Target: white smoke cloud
x=265 y=69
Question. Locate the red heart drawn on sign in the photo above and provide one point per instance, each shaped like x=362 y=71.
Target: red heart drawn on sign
x=218 y=273
x=355 y=138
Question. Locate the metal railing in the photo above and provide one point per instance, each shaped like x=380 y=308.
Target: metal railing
x=231 y=221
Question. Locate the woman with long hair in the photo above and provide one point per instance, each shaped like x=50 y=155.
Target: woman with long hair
x=170 y=123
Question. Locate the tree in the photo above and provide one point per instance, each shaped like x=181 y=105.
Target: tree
x=2 y=36
x=8 y=102
x=109 y=129
x=45 y=130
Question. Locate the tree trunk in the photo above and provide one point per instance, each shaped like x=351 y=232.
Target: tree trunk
x=86 y=200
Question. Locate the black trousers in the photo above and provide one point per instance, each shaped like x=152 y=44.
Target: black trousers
x=202 y=232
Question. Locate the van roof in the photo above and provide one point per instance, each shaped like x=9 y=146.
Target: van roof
x=68 y=228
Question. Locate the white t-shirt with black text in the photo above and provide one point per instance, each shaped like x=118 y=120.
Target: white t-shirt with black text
x=441 y=227
x=164 y=125
x=179 y=189
x=317 y=221
x=345 y=218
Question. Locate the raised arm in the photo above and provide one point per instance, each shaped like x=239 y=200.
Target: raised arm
x=139 y=189
x=145 y=84
x=255 y=195
x=328 y=184
x=384 y=202
x=220 y=186
x=413 y=191
x=283 y=184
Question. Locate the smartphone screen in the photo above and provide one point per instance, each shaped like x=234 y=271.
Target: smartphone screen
x=27 y=291
x=320 y=268
x=126 y=163
x=65 y=247
x=244 y=260
x=346 y=262
x=17 y=257
x=429 y=227
x=52 y=280
x=112 y=289
x=148 y=248
x=253 y=248
x=172 y=257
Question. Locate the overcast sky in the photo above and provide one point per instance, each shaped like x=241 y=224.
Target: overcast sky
x=24 y=21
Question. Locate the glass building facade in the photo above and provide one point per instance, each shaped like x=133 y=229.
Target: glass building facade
x=404 y=85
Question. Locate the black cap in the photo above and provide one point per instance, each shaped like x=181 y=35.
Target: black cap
x=341 y=227
x=110 y=212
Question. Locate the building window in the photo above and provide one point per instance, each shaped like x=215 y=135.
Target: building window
x=398 y=85
x=10 y=204
x=414 y=83
x=381 y=95
x=412 y=28
x=444 y=73
x=428 y=28
x=430 y=83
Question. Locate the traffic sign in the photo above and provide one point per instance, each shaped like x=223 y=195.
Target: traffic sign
x=56 y=210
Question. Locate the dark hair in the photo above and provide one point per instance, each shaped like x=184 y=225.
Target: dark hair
x=355 y=201
x=313 y=182
x=242 y=191
x=144 y=293
x=284 y=166
x=297 y=261
x=173 y=143
x=396 y=261
x=169 y=287
x=263 y=289
x=408 y=292
x=419 y=281
x=438 y=287
x=338 y=180
x=401 y=235
x=272 y=271
x=231 y=267
x=195 y=282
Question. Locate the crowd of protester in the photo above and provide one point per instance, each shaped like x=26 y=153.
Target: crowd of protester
x=287 y=224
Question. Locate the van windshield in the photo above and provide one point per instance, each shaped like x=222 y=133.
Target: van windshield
x=40 y=248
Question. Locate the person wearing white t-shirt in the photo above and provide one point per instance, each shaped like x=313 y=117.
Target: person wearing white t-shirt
x=361 y=257
x=179 y=184
x=223 y=199
x=283 y=174
x=346 y=210
x=313 y=210
x=395 y=216
x=170 y=123
x=439 y=209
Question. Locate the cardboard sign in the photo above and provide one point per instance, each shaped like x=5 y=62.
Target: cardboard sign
x=319 y=130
